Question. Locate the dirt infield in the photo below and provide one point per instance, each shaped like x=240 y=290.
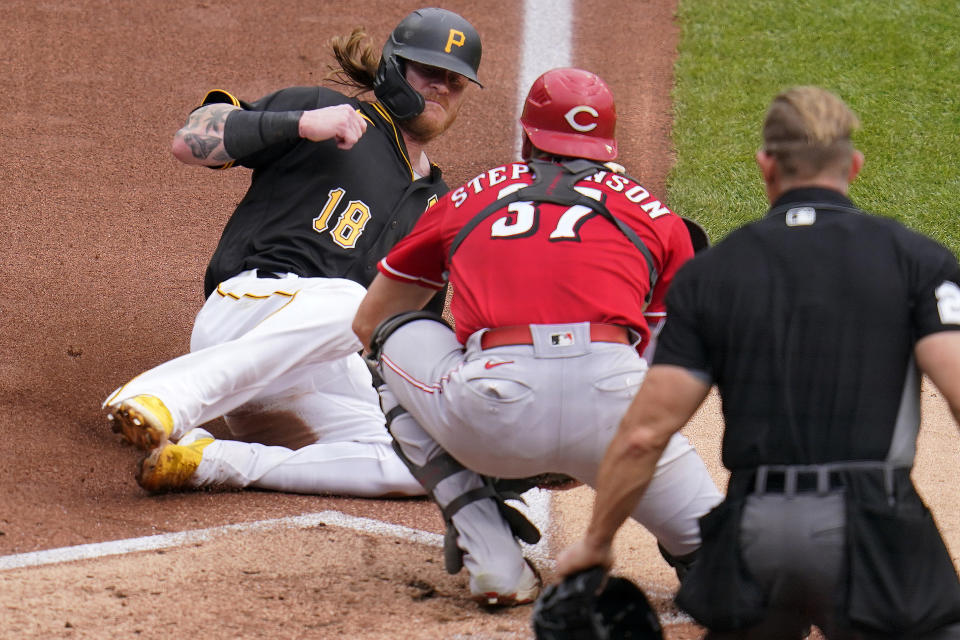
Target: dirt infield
x=106 y=240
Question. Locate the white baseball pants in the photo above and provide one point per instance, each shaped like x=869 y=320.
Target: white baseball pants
x=514 y=411
x=278 y=360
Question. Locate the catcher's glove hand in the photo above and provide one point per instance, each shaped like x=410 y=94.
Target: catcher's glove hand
x=698 y=235
x=589 y=605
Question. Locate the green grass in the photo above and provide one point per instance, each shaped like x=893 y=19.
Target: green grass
x=895 y=62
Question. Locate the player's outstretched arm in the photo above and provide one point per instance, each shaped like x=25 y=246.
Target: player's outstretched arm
x=200 y=140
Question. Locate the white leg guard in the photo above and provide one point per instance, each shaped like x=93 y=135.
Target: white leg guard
x=473 y=513
x=492 y=555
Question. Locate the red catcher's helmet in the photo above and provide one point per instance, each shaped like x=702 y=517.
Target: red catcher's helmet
x=570 y=112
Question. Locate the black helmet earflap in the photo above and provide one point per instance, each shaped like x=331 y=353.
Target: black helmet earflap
x=394 y=92
x=433 y=37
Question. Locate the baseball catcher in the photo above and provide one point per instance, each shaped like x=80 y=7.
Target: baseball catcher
x=559 y=266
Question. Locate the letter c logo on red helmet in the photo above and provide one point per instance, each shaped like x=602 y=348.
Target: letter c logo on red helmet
x=571 y=116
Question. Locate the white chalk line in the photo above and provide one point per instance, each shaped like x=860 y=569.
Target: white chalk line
x=548 y=44
x=535 y=499
x=547 y=28
x=181 y=538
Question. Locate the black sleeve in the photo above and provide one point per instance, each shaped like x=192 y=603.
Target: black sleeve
x=289 y=99
x=681 y=341
x=935 y=286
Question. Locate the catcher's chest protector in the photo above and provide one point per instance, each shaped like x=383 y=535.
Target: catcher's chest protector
x=554 y=183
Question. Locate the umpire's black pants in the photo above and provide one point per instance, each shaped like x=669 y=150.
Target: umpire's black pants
x=794 y=546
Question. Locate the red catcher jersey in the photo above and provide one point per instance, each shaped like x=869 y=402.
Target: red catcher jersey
x=541 y=263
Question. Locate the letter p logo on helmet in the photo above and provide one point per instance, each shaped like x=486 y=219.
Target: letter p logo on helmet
x=455 y=39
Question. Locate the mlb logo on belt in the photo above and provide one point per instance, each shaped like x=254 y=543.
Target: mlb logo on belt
x=564 y=339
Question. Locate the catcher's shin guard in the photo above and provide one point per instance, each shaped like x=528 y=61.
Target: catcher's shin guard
x=519 y=524
x=442 y=466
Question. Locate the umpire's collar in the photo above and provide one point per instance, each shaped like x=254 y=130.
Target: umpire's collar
x=811 y=195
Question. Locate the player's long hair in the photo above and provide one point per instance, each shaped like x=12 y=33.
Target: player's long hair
x=357 y=59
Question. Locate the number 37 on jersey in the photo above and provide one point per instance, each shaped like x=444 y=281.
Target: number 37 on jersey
x=521 y=219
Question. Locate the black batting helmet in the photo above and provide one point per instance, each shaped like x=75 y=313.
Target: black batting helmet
x=434 y=37
x=592 y=606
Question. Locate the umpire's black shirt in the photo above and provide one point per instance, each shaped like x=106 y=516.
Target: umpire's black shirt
x=806 y=321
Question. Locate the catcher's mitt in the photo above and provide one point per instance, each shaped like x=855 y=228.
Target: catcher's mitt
x=698 y=235
x=592 y=606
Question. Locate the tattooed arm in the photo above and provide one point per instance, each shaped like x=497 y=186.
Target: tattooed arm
x=200 y=141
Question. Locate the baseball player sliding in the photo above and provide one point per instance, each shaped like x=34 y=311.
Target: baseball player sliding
x=336 y=182
x=559 y=264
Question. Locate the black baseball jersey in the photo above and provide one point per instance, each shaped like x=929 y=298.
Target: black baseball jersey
x=807 y=320
x=319 y=211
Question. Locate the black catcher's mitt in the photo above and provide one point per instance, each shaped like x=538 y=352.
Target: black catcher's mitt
x=698 y=235
x=592 y=606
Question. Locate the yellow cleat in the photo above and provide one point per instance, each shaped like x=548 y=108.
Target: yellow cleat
x=170 y=467
x=143 y=421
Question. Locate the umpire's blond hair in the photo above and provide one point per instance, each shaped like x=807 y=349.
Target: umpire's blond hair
x=808 y=131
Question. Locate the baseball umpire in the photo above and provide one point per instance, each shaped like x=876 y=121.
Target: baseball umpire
x=816 y=324
x=336 y=182
x=556 y=264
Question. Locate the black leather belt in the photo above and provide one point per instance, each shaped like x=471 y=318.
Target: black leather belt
x=780 y=481
x=806 y=482
x=268 y=274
